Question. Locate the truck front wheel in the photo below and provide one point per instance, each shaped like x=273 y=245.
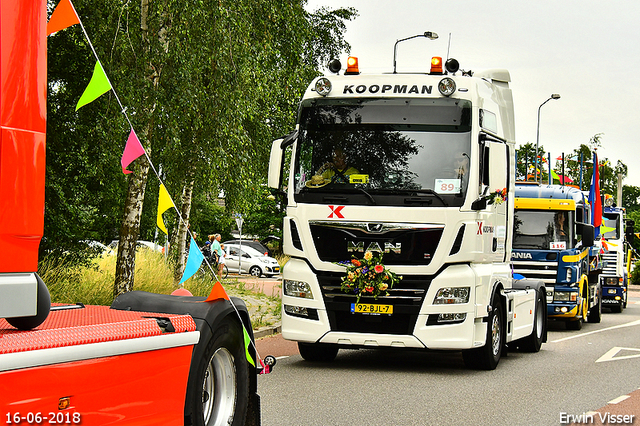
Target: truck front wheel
x=488 y=356
x=222 y=381
x=595 y=313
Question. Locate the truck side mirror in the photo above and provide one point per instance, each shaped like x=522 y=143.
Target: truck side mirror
x=275 y=165
x=479 y=204
x=276 y=160
x=629 y=230
x=587 y=233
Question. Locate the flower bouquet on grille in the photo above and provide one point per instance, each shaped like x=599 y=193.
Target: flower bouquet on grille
x=367 y=276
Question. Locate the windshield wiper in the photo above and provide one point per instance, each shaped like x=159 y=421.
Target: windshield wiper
x=344 y=199
x=373 y=200
x=418 y=197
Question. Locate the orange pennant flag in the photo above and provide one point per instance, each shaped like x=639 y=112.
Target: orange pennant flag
x=62 y=17
x=217 y=292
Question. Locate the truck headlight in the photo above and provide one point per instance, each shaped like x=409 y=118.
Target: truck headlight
x=323 y=86
x=297 y=289
x=447 y=86
x=611 y=281
x=452 y=295
x=565 y=296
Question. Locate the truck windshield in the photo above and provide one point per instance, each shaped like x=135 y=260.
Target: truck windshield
x=381 y=151
x=542 y=230
x=611 y=226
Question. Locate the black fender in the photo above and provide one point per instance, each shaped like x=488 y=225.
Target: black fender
x=206 y=315
x=539 y=286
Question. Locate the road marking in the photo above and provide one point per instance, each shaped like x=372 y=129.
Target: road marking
x=618 y=399
x=629 y=324
x=282 y=357
x=611 y=354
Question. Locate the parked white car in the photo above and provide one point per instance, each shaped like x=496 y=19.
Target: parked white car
x=253 y=262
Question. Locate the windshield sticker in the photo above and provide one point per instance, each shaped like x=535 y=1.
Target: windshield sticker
x=558 y=245
x=447 y=186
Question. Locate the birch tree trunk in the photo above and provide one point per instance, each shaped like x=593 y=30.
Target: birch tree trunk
x=130 y=229
x=183 y=234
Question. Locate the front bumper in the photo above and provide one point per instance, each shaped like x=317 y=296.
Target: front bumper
x=410 y=326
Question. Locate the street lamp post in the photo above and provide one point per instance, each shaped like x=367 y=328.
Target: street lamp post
x=554 y=97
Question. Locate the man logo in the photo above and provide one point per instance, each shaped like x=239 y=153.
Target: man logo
x=358 y=247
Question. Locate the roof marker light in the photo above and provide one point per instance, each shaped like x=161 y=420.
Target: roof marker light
x=436 y=65
x=352 y=66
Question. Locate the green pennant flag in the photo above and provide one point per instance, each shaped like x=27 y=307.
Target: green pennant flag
x=247 y=342
x=98 y=86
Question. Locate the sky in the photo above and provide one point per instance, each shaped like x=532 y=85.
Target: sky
x=586 y=51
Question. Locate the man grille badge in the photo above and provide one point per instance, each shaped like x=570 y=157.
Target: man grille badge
x=374 y=227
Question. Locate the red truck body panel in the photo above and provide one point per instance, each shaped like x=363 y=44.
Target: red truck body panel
x=23 y=91
x=112 y=365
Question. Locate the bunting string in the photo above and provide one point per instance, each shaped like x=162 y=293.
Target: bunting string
x=64 y=16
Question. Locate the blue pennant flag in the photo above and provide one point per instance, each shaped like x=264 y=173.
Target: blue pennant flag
x=193 y=261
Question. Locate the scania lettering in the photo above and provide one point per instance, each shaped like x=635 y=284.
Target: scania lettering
x=412 y=169
x=552 y=243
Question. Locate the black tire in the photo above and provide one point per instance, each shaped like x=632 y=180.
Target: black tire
x=574 y=325
x=221 y=384
x=616 y=309
x=488 y=356
x=533 y=342
x=577 y=324
x=225 y=271
x=595 y=313
x=255 y=271
x=317 y=352
x=43 y=306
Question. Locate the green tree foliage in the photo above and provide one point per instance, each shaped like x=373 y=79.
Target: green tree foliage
x=206 y=84
x=526 y=158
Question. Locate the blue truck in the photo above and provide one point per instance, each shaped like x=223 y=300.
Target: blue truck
x=553 y=242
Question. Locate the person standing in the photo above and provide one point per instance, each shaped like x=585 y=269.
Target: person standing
x=222 y=260
x=216 y=247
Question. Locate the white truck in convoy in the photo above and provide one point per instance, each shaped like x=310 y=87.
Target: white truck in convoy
x=614 y=278
x=417 y=169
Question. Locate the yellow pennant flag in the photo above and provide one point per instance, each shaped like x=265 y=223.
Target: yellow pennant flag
x=98 y=86
x=164 y=204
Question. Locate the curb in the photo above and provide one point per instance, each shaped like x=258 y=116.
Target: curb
x=267 y=331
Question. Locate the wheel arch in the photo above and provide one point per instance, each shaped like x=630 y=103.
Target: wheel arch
x=540 y=287
x=207 y=316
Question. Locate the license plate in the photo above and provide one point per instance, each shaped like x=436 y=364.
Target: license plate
x=370 y=308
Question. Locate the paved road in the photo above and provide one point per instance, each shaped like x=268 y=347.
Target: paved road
x=590 y=373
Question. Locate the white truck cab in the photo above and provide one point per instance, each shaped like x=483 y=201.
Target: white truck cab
x=417 y=169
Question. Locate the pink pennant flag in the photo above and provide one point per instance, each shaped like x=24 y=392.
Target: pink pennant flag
x=132 y=150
